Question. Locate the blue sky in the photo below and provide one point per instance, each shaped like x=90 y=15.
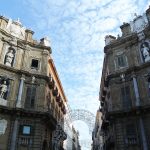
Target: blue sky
x=76 y=29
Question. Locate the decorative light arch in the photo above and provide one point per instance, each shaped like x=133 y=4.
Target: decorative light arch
x=84 y=115
x=86 y=143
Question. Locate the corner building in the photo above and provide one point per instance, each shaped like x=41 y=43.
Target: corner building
x=32 y=100
x=125 y=87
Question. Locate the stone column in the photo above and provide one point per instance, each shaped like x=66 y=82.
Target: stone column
x=143 y=136
x=14 y=135
x=136 y=91
x=142 y=131
x=20 y=92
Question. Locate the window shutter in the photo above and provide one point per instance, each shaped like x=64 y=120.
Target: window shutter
x=126 y=97
x=33 y=95
x=28 y=97
x=121 y=61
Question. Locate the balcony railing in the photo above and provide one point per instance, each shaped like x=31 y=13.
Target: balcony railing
x=11 y=104
x=26 y=141
x=144 y=102
x=131 y=140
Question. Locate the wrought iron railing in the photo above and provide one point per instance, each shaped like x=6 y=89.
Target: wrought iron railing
x=25 y=140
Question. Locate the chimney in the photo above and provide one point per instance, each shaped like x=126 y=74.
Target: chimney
x=3 y=22
x=29 y=35
x=126 y=29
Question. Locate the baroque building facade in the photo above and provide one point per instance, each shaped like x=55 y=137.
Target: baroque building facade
x=125 y=87
x=32 y=99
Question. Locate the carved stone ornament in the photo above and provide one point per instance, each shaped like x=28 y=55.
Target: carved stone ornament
x=139 y=23
x=58 y=137
x=3 y=126
x=141 y=36
x=16 y=29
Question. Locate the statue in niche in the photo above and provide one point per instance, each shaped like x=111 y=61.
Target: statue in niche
x=3 y=89
x=145 y=50
x=9 y=57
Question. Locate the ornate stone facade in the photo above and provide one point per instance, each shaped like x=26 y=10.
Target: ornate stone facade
x=32 y=100
x=125 y=88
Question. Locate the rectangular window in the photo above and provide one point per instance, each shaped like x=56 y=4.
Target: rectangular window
x=121 y=61
x=131 y=137
x=35 y=64
x=26 y=130
x=126 y=97
x=30 y=97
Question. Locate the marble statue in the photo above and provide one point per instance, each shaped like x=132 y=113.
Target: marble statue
x=9 y=57
x=3 y=89
x=33 y=79
x=145 y=50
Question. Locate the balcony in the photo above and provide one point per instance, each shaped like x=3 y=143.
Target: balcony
x=10 y=105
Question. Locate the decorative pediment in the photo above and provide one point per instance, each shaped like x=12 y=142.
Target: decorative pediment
x=16 y=29
x=139 y=23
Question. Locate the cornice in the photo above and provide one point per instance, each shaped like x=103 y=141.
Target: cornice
x=20 y=72
x=22 y=112
x=19 y=41
x=124 y=40
x=130 y=70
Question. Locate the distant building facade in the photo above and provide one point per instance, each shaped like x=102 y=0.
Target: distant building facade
x=96 y=135
x=75 y=140
x=32 y=100
x=125 y=87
